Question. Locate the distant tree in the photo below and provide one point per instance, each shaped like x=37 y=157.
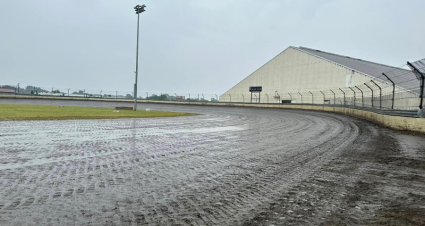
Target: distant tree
x=159 y=97
x=33 y=89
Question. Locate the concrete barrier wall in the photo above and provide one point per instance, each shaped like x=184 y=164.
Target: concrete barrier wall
x=393 y=122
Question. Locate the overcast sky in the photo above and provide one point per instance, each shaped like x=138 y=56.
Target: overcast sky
x=192 y=46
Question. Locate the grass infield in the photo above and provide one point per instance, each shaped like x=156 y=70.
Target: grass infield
x=44 y=112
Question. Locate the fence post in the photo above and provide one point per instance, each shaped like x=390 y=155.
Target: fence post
x=243 y=98
x=344 y=96
x=372 y=92
x=324 y=97
x=419 y=74
x=392 y=100
x=380 y=94
x=334 y=95
x=362 y=95
x=354 y=95
x=267 y=98
x=312 y=100
x=422 y=91
x=301 y=97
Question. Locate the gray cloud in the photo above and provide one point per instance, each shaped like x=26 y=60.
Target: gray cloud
x=192 y=46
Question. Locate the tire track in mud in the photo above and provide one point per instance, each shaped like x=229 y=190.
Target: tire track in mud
x=220 y=168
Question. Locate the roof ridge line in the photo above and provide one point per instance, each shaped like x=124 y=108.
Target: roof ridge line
x=318 y=50
x=341 y=65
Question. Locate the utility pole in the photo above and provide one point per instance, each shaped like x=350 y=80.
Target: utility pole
x=139 y=9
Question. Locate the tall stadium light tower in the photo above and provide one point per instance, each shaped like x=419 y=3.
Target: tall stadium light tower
x=139 y=9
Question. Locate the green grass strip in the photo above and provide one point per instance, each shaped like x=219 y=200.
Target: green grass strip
x=45 y=112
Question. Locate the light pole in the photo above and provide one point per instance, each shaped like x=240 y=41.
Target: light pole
x=139 y=9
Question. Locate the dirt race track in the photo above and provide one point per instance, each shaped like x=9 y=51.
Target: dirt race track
x=229 y=166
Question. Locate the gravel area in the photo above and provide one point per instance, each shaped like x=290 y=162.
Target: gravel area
x=228 y=166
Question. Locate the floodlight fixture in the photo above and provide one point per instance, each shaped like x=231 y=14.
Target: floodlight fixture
x=139 y=8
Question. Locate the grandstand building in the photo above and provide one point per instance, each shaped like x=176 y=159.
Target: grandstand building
x=304 y=75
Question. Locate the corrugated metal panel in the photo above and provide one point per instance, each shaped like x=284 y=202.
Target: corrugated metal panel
x=402 y=77
x=420 y=65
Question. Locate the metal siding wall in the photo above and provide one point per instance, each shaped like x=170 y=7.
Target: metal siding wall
x=292 y=71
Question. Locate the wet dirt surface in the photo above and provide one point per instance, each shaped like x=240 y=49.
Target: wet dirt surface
x=229 y=166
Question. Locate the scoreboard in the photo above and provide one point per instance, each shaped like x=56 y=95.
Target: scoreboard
x=255 y=88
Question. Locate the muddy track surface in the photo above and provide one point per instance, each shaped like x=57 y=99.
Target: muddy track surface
x=228 y=166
